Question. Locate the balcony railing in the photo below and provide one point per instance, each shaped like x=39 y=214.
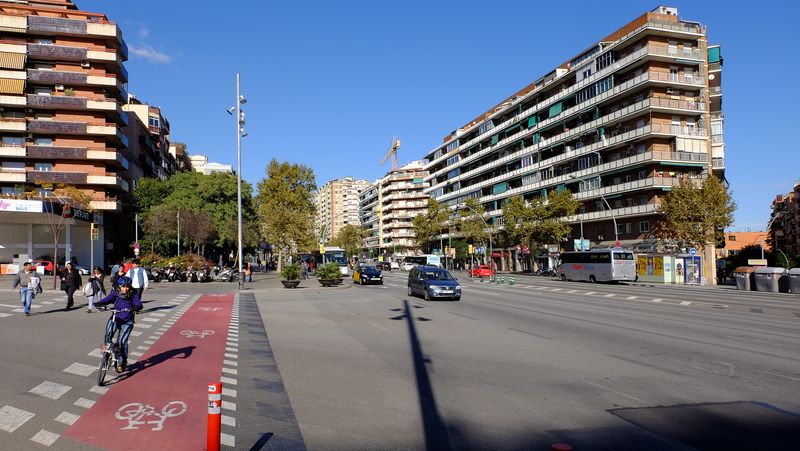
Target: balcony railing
x=57 y=52
x=718 y=163
x=57 y=77
x=57 y=102
x=10 y=124
x=60 y=153
x=74 y=178
x=47 y=25
x=57 y=127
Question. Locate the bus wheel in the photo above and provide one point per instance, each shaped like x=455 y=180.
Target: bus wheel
x=563 y=277
x=592 y=279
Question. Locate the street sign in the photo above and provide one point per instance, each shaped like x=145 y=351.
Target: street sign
x=136 y=245
x=692 y=251
x=617 y=243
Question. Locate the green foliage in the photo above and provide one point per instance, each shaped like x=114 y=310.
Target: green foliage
x=430 y=224
x=182 y=262
x=329 y=271
x=472 y=225
x=291 y=272
x=694 y=215
x=285 y=205
x=351 y=238
x=540 y=221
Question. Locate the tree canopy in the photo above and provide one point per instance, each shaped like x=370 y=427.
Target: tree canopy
x=694 y=215
x=351 y=238
x=430 y=224
x=540 y=221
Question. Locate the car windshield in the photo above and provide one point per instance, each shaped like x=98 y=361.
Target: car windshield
x=437 y=275
x=369 y=268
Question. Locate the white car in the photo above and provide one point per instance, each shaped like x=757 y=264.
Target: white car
x=81 y=270
x=407 y=266
x=394 y=265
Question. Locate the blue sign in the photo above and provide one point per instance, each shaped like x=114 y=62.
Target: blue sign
x=692 y=251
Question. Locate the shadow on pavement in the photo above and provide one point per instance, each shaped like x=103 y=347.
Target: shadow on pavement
x=152 y=361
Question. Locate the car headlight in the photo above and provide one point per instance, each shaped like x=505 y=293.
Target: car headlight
x=435 y=288
x=458 y=287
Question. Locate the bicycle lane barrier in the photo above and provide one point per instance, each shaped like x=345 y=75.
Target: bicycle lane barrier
x=163 y=404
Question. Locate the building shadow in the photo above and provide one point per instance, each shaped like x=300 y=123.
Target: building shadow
x=434 y=427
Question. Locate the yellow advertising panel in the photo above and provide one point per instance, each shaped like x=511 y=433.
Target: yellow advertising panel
x=641 y=265
x=658 y=267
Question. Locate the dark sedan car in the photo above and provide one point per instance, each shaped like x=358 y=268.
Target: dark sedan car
x=364 y=274
x=433 y=282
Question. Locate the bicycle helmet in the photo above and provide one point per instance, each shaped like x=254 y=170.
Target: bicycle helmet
x=124 y=282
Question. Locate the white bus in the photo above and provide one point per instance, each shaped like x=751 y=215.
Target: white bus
x=427 y=260
x=598 y=265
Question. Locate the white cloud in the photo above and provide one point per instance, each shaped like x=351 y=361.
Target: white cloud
x=144 y=32
x=149 y=53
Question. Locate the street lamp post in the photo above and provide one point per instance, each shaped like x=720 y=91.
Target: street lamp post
x=769 y=225
x=240 y=133
x=613 y=217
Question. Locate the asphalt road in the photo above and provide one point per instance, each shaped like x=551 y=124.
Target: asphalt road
x=368 y=367
x=542 y=362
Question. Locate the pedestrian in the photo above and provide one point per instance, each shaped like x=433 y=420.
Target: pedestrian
x=248 y=273
x=138 y=277
x=304 y=271
x=98 y=288
x=116 y=276
x=115 y=268
x=28 y=282
x=127 y=264
x=71 y=279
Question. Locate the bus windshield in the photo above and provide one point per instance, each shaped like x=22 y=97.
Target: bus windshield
x=336 y=256
x=623 y=256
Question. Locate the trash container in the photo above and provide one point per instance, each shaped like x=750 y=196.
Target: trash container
x=771 y=279
x=794 y=280
x=743 y=276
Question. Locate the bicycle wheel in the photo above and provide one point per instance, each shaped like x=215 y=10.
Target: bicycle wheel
x=102 y=369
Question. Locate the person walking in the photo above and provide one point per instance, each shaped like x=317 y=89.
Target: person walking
x=116 y=276
x=28 y=281
x=304 y=267
x=138 y=277
x=98 y=288
x=72 y=282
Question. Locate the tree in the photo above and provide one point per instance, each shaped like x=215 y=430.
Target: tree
x=472 y=225
x=430 y=224
x=285 y=206
x=540 y=221
x=69 y=197
x=694 y=215
x=351 y=238
x=160 y=225
x=200 y=229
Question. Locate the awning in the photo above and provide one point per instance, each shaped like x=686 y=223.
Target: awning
x=495 y=138
x=713 y=54
x=10 y=60
x=556 y=109
x=533 y=120
x=12 y=86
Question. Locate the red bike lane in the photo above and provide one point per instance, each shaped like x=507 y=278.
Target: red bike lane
x=162 y=402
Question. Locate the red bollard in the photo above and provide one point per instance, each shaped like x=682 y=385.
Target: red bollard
x=214 y=415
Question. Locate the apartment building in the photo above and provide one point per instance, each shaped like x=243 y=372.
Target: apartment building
x=62 y=87
x=336 y=205
x=617 y=125
x=784 y=230
x=389 y=205
x=149 y=142
x=181 y=156
x=200 y=163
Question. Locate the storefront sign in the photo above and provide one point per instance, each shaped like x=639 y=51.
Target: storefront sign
x=23 y=206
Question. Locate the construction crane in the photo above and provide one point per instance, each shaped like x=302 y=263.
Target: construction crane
x=392 y=152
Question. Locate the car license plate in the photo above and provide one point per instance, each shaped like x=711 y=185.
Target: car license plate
x=447 y=291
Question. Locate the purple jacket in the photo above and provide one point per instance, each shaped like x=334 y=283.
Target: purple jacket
x=127 y=304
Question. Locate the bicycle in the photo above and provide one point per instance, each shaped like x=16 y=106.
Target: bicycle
x=111 y=353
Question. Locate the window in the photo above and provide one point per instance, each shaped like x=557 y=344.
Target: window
x=526 y=161
x=452 y=145
x=44 y=167
x=687 y=49
x=45 y=41
x=485 y=127
x=628 y=227
x=42 y=192
x=153 y=121
x=732 y=238
x=673 y=73
x=453 y=160
x=620 y=229
x=644 y=226
x=42 y=141
x=13 y=141
x=11 y=191
x=642 y=200
x=43 y=91
x=672 y=49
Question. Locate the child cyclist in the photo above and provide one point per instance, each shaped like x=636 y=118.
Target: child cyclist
x=126 y=302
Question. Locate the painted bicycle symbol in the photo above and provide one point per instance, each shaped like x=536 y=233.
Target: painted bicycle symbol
x=138 y=414
x=210 y=309
x=196 y=333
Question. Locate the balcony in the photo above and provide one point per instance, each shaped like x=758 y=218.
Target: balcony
x=57 y=77
x=112 y=132
x=57 y=52
x=57 y=127
x=12 y=176
x=9 y=100
x=718 y=163
x=110 y=204
x=57 y=153
x=109 y=82
x=12 y=151
x=56 y=25
x=108 y=180
x=71 y=178
x=716 y=91
x=12 y=125
x=57 y=102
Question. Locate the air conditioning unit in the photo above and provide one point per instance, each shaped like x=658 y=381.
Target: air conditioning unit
x=85 y=64
x=59 y=87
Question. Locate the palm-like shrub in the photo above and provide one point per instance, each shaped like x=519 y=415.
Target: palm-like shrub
x=329 y=271
x=291 y=272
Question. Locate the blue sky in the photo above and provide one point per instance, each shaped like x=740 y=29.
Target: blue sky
x=329 y=83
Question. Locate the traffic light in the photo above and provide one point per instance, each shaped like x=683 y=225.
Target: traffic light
x=94 y=231
x=470 y=249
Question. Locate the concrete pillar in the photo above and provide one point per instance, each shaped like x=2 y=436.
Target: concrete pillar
x=31 y=247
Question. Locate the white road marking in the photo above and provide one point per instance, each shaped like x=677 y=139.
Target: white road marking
x=95 y=353
x=228 y=421
x=609 y=295
x=5 y=315
x=45 y=438
x=590 y=292
x=555 y=289
x=630 y=298
x=572 y=291
x=228 y=405
x=80 y=369
x=143 y=348
x=12 y=418
x=233 y=339
x=151 y=320
x=231 y=356
x=50 y=390
x=148 y=342
x=230 y=371
x=228 y=380
x=227 y=440
x=136 y=353
x=158 y=314
x=142 y=326
x=83 y=402
x=230 y=362
x=686 y=302
x=228 y=392
x=656 y=300
x=47 y=302
x=103 y=390
x=67 y=418
x=136 y=333
x=232 y=349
